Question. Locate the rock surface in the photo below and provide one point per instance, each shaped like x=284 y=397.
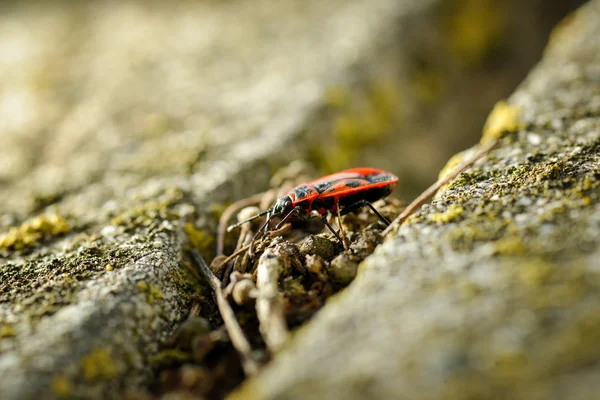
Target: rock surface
x=492 y=290
x=122 y=123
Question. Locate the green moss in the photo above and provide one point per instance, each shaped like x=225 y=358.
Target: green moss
x=98 y=365
x=169 y=356
x=33 y=231
x=187 y=285
x=151 y=212
x=201 y=240
x=68 y=272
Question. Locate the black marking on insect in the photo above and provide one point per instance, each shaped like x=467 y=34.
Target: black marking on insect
x=349 y=190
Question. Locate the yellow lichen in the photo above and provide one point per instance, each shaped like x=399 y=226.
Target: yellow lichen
x=109 y=267
x=145 y=214
x=143 y=286
x=98 y=365
x=61 y=386
x=7 y=330
x=31 y=232
x=535 y=273
x=452 y=163
x=586 y=184
x=510 y=246
x=503 y=118
x=454 y=211
x=413 y=219
x=153 y=293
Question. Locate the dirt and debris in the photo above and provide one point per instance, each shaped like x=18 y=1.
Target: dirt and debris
x=274 y=283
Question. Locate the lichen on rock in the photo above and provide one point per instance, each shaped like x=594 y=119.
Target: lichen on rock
x=491 y=290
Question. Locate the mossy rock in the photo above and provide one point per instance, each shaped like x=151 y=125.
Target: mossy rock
x=491 y=291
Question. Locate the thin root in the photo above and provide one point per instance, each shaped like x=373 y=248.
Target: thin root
x=229 y=213
x=269 y=306
x=238 y=339
x=231 y=257
x=278 y=231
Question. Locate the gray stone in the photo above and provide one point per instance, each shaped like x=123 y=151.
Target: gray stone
x=492 y=290
x=118 y=123
x=122 y=122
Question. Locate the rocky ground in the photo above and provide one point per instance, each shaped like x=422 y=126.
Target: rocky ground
x=127 y=129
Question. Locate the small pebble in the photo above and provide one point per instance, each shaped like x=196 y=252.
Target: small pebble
x=343 y=269
x=319 y=245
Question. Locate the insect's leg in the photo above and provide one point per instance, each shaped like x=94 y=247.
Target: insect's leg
x=360 y=204
x=339 y=221
x=280 y=230
x=288 y=216
x=324 y=219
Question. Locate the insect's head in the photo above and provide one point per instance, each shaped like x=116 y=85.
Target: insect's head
x=283 y=206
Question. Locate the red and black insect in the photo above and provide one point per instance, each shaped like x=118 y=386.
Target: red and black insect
x=346 y=191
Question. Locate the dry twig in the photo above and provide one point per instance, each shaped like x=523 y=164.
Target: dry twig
x=431 y=190
x=228 y=214
x=231 y=257
x=238 y=339
x=269 y=306
x=339 y=221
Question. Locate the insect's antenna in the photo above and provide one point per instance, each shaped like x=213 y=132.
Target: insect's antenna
x=232 y=227
x=266 y=224
x=263 y=229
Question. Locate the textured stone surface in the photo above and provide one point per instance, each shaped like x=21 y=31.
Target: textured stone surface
x=120 y=122
x=80 y=316
x=492 y=290
x=101 y=99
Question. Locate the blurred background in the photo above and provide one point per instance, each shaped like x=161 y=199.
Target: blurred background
x=112 y=94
